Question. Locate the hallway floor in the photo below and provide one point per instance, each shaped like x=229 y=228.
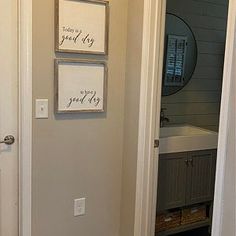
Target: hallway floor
x=197 y=232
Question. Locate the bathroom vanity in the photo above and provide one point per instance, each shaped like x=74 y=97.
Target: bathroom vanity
x=186 y=178
x=186 y=173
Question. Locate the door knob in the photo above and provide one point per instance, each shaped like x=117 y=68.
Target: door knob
x=191 y=161
x=8 y=140
x=186 y=162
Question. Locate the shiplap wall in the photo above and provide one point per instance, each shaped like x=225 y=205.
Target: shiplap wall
x=199 y=102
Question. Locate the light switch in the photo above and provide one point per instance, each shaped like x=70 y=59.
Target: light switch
x=79 y=207
x=41 y=107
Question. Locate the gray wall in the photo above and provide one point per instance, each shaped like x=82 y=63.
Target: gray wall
x=131 y=119
x=77 y=155
x=199 y=102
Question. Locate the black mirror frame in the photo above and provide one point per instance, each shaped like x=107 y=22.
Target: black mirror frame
x=195 y=64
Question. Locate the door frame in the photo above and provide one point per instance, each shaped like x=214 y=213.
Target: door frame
x=147 y=160
x=25 y=114
x=150 y=105
x=224 y=127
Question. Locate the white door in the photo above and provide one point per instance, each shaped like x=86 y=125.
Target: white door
x=8 y=118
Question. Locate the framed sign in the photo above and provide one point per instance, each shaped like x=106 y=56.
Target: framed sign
x=80 y=86
x=175 y=60
x=81 y=26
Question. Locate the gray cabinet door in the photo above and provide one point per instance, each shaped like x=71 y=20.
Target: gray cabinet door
x=171 y=181
x=200 y=176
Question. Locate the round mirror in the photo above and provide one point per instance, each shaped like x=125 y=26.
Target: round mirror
x=180 y=55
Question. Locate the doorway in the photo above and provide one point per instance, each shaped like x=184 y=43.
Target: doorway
x=147 y=166
x=194 y=47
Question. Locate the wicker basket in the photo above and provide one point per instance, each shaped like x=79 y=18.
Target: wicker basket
x=168 y=220
x=193 y=214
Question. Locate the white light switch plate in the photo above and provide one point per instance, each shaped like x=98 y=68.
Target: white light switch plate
x=41 y=109
x=79 y=207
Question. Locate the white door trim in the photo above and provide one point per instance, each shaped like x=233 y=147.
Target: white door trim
x=150 y=96
x=229 y=63
x=25 y=115
x=151 y=68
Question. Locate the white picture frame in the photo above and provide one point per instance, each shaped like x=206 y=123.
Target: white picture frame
x=81 y=26
x=80 y=86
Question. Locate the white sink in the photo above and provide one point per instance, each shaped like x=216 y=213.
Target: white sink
x=186 y=138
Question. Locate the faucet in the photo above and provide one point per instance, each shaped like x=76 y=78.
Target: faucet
x=163 y=118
